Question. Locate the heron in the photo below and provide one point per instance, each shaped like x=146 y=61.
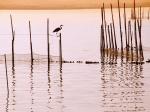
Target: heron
x=57 y=29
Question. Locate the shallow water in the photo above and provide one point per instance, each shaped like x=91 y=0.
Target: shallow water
x=120 y=87
x=76 y=88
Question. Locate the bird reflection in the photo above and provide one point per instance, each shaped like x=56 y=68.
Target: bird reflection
x=122 y=88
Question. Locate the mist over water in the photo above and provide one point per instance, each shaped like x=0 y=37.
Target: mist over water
x=120 y=87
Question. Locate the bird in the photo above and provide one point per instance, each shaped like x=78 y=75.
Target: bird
x=58 y=29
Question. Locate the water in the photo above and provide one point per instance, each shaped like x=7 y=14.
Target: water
x=76 y=87
x=120 y=87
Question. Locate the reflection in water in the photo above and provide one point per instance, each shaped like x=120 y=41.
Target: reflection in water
x=31 y=88
x=61 y=87
x=7 y=102
x=13 y=91
x=49 y=88
x=122 y=88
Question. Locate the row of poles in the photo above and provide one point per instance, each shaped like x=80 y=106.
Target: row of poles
x=108 y=37
x=31 y=46
x=31 y=50
x=144 y=15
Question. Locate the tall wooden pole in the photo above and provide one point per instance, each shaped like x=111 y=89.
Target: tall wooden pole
x=135 y=34
x=120 y=28
x=112 y=37
x=31 y=49
x=48 y=44
x=13 y=39
x=109 y=35
x=105 y=26
x=102 y=29
x=113 y=23
x=139 y=21
x=60 y=49
x=125 y=27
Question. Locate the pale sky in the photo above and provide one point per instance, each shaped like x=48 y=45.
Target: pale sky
x=62 y=4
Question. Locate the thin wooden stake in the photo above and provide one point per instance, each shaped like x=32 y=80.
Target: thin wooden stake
x=102 y=29
x=105 y=25
x=60 y=49
x=135 y=33
x=48 y=44
x=112 y=38
x=113 y=26
x=120 y=29
x=13 y=39
x=140 y=37
x=125 y=27
x=110 y=46
x=31 y=49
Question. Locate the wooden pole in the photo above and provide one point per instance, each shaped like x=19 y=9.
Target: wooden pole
x=135 y=33
x=105 y=25
x=102 y=29
x=139 y=21
x=13 y=39
x=60 y=49
x=31 y=49
x=113 y=26
x=48 y=44
x=125 y=27
x=6 y=74
x=110 y=46
x=120 y=28
x=112 y=38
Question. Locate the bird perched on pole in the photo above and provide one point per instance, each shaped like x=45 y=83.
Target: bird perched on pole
x=57 y=29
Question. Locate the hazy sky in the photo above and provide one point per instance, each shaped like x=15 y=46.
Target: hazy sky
x=61 y=4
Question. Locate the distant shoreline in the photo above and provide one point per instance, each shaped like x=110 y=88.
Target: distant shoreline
x=68 y=6
x=60 y=8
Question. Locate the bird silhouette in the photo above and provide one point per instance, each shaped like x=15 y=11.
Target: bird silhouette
x=57 y=29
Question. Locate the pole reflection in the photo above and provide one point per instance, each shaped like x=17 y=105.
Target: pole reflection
x=31 y=87
x=122 y=87
x=13 y=89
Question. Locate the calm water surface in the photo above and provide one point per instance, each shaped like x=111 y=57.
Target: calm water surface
x=120 y=87
x=76 y=88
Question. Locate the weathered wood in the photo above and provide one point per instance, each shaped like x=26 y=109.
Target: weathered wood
x=120 y=27
x=105 y=26
x=125 y=27
x=60 y=49
x=112 y=37
x=102 y=29
x=109 y=35
x=113 y=23
x=135 y=33
x=13 y=39
x=139 y=21
x=31 y=48
x=48 y=45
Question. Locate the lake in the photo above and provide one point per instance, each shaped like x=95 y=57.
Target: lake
x=121 y=87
